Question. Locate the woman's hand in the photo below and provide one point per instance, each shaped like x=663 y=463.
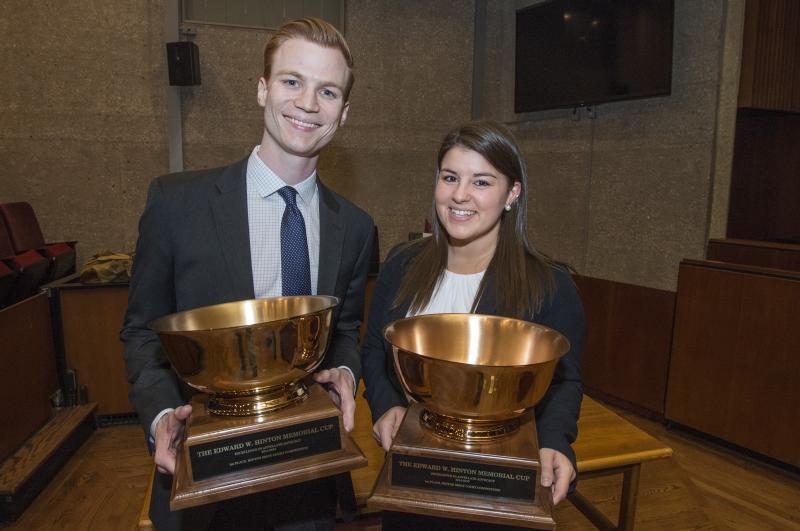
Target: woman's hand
x=386 y=428
x=557 y=472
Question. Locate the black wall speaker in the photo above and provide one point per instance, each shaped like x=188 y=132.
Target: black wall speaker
x=183 y=60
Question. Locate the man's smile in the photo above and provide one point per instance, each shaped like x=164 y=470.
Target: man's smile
x=300 y=123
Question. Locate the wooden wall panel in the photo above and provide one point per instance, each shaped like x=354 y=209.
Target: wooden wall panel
x=28 y=374
x=627 y=341
x=735 y=359
x=92 y=318
x=770 y=73
x=765 y=186
x=755 y=253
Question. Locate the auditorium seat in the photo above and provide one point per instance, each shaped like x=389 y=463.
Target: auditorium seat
x=8 y=278
x=26 y=235
x=29 y=270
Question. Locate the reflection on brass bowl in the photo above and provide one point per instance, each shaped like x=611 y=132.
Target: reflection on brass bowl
x=474 y=374
x=249 y=355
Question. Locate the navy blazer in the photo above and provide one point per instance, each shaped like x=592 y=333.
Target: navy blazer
x=556 y=414
x=194 y=250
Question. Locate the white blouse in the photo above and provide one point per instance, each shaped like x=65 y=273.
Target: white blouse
x=454 y=293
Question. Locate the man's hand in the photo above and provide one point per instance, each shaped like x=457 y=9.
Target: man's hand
x=557 y=472
x=169 y=432
x=386 y=428
x=339 y=384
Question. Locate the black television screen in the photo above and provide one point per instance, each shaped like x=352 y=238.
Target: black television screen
x=582 y=52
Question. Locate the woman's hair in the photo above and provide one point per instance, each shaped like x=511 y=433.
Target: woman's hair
x=522 y=276
x=313 y=30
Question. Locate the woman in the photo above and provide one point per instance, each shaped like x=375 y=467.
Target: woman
x=479 y=260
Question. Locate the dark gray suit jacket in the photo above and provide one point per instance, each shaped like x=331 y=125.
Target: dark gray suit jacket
x=194 y=250
x=556 y=414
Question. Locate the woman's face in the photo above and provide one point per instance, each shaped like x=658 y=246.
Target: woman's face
x=470 y=196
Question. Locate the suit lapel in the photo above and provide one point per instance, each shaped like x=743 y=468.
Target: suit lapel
x=331 y=240
x=487 y=305
x=229 y=206
x=398 y=313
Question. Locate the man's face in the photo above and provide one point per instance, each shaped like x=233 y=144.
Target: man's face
x=303 y=98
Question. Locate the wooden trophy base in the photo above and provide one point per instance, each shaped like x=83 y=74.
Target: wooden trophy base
x=495 y=482
x=227 y=457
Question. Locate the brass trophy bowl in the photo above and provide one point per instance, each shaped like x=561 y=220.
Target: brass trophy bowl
x=467 y=447
x=474 y=375
x=249 y=356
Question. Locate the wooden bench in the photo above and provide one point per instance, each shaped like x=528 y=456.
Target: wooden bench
x=607 y=444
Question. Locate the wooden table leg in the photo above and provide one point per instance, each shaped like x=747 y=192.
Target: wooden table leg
x=592 y=513
x=630 y=491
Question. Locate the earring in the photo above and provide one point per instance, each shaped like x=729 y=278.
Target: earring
x=507 y=208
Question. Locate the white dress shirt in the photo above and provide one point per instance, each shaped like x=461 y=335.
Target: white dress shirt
x=454 y=293
x=265 y=208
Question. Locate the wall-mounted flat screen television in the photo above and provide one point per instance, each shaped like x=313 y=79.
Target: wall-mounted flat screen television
x=571 y=53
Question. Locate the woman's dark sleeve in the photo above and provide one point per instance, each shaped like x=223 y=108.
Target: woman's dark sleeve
x=557 y=413
x=380 y=391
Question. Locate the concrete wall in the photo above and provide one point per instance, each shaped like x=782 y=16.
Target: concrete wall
x=623 y=197
x=732 y=40
x=82 y=107
x=626 y=195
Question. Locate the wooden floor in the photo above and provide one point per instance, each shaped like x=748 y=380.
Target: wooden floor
x=701 y=487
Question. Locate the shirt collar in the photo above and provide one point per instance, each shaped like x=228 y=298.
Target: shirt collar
x=266 y=182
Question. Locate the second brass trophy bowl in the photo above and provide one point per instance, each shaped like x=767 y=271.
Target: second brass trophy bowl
x=475 y=375
x=249 y=356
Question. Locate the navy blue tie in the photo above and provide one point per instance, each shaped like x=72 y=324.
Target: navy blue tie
x=295 y=268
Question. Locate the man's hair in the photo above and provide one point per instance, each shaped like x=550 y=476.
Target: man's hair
x=314 y=30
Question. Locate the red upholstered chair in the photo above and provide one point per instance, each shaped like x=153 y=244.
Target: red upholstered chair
x=6 y=249
x=23 y=228
x=8 y=278
x=28 y=269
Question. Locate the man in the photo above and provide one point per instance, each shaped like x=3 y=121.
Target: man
x=214 y=236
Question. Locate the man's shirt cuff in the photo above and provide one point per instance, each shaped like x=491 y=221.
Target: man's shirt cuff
x=352 y=377
x=151 y=440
